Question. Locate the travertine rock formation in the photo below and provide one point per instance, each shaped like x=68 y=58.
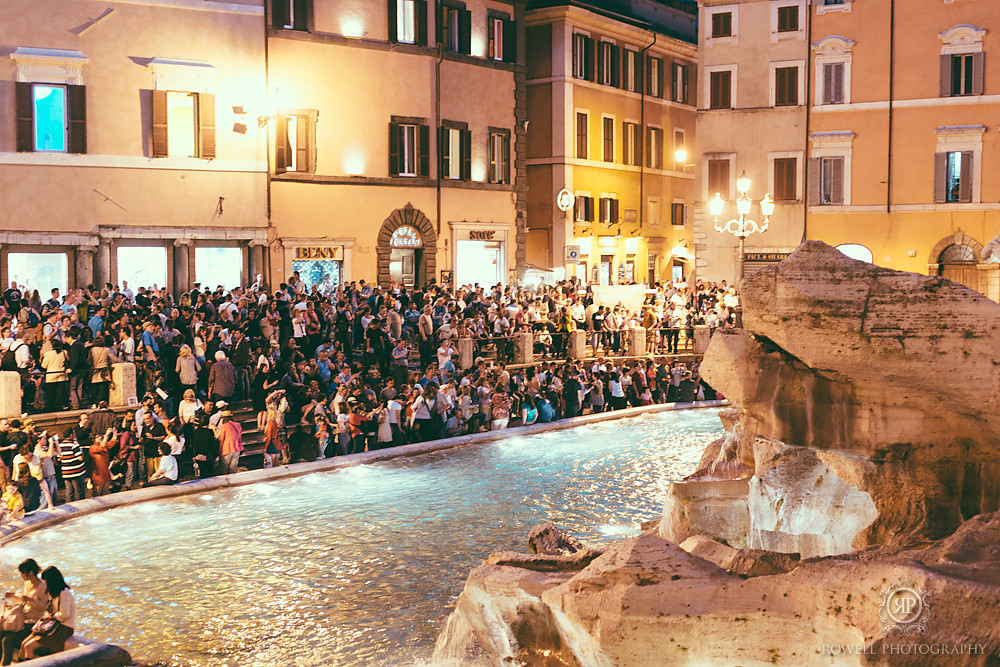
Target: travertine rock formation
x=647 y=602
x=863 y=405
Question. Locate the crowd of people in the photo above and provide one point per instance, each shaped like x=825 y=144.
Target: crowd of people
x=326 y=374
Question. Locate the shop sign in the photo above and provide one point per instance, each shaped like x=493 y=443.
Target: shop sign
x=565 y=200
x=406 y=237
x=334 y=252
x=621 y=272
x=572 y=253
x=481 y=235
x=765 y=256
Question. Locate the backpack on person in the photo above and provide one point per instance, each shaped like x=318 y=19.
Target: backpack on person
x=8 y=362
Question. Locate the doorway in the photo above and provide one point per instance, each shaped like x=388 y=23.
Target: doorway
x=607 y=261
x=958 y=263
x=403 y=266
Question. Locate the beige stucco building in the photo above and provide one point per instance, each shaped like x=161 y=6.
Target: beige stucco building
x=611 y=99
x=751 y=119
x=128 y=152
x=394 y=140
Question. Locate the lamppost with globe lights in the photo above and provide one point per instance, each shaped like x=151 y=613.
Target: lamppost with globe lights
x=742 y=226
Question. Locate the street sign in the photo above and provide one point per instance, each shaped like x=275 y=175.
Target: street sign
x=572 y=253
x=565 y=200
x=621 y=272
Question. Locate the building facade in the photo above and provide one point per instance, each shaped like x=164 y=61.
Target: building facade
x=611 y=105
x=904 y=141
x=395 y=137
x=752 y=81
x=128 y=152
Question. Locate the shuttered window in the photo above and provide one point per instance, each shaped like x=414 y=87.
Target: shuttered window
x=677 y=217
x=784 y=178
x=654 y=148
x=720 y=90
x=455 y=28
x=679 y=83
x=583 y=209
x=295 y=143
x=455 y=151
x=609 y=210
x=722 y=24
x=408 y=21
x=291 y=14
x=409 y=149
x=962 y=74
x=582 y=121
x=833 y=83
x=788 y=18
x=786 y=86
x=953 y=177
x=654 y=76
x=501 y=38
x=51 y=117
x=718 y=178
x=608 y=64
x=583 y=57
x=631 y=149
x=609 y=139
x=826 y=181
x=499 y=156
x=630 y=71
x=183 y=124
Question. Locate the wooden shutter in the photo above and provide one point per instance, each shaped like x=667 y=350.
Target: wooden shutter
x=837 y=180
x=444 y=155
x=279 y=13
x=600 y=62
x=465 y=31
x=424 y=151
x=393 y=16
x=659 y=74
x=465 y=144
x=614 y=210
x=685 y=89
x=509 y=30
x=206 y=126
x=674 y=88
x=491 y=158
x=589 y=208
x=420 y=20
x=718 y=178
x=77 y=96
x=616 y=77
x=280 y=145
x=394 y=149
x=301 y=14
x=638 y=64
x=945 y=76
x=815 y=177
x=159 y=123
x=302 y=144
x=25 y=117
x=588 y=58
x=965 y=185
x=977 y=73
x=940 y=177
x=505 y=157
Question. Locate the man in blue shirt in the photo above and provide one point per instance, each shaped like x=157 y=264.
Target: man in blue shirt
x=96 y=323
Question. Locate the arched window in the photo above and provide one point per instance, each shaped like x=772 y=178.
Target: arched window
x=856 y=251
x=957 y=254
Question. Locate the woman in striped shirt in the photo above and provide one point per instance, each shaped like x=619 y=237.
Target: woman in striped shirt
x=74 y=469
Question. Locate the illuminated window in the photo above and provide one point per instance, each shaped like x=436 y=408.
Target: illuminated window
x=406 y=21
x=499 y=156
x=182 y=128
x=455 y=151
x=142 y=266
x=409 y=148
x=295 y=142
x=218 y=266
x=50 y=118
x=183 y=124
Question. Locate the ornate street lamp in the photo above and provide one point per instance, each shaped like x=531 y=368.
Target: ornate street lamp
x=742 y=226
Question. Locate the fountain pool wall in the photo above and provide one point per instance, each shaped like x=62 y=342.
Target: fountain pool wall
x=357 y=565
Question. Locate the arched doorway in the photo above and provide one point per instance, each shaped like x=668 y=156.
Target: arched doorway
x=956 y=258
x=958 y=263
x=407 y=248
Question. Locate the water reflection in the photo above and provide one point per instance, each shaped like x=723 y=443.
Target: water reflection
x=353 y=567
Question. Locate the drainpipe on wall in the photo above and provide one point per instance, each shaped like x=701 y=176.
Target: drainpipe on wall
x=266 y=263
x=642 y=134
x=437 y=132
x=808 y=103
x=892 y=82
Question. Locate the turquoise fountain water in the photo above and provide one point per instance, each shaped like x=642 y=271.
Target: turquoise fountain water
x=352 y=567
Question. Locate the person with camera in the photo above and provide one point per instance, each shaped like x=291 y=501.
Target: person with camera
x=55 y=626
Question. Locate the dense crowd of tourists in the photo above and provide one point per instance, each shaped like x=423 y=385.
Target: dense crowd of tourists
x=326 y=374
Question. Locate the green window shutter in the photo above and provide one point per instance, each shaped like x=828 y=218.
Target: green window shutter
x=465 y=31
x=424 y=151
x=639 y=87
x=25 y=118
x=280 y=145
x=77 y=98
x=394 y=149
x=393 y=12
x=420 y=19
x=588 y=57
x=206 y=126
x=159 y=123
x=616 y=77
x=279 y=13
x=301 y=14
x=509 y=42
x=465 y=139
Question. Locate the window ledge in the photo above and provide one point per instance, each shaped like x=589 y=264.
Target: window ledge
x=824 y=9
x=34 y=65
